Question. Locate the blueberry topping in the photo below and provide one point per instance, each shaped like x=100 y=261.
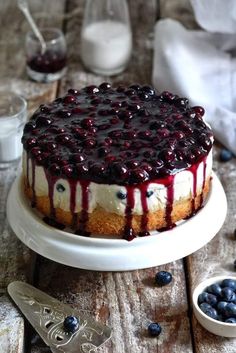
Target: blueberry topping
x=163 y=278
x=69 y=99
x=29 y=126
x=43 y=121
x=225 y=155
x=132 y=132
x=199 y=110
x=143 y=95
x=60 y=188
x=105 y=86
x=71 y=324
x=51 y=222
x=149 y=90
x=92 y=89
x=154 y=329
x=73 y=91
x=54 y=169
x=121 y=195
x=129 y=233
x=149 y=193
x=136 y=87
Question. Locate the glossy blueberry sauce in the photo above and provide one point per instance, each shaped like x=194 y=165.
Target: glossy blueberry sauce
x=85 y=206
x=33 y=184
x=51 y=222
x=126 y=136
x=128 y=231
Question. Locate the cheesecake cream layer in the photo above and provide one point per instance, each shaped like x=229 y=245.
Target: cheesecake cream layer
x=112 y=198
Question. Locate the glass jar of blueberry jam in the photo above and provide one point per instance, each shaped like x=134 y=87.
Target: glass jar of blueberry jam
x=48 y=65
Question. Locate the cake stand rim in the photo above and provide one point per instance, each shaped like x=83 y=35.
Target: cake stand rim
x=115 y=254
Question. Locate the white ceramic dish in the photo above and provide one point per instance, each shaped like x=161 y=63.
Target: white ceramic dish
x=217 y=327
x=116 y=254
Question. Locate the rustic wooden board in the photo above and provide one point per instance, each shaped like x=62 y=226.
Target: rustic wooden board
x=14 y=256
x=216 y=258
x=15 y=259
x=12 y=56
x=11 y=327
x=127 y=301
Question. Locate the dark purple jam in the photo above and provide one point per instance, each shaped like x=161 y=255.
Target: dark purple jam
x=49 y=62
x=118 y=135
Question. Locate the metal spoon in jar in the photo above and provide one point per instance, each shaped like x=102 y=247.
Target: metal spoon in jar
x=23 y=6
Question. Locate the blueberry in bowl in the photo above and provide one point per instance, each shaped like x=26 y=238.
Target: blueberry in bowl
x=214 y=305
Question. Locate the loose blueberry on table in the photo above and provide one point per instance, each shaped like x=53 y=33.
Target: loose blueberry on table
x=163 y=278
x=154 y=329
x=71 y=324
x=225 y=155
x=218 y=301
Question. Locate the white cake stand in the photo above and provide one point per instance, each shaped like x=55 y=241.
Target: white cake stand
x=116 y=254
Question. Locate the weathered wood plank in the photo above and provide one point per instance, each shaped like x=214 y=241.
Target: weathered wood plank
x=15 y=258
x=11 y=251
x=140 y=65
x=126 y=301
x=11 y=327
x=12 y=56
x=216 y=258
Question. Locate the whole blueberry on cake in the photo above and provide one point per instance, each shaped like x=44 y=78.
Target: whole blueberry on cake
x=117 y=162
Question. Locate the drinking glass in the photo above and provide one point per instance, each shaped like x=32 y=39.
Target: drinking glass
x=13 y=114
x=50 y=65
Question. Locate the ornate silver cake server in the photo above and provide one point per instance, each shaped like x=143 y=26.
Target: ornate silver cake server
x=47 y=316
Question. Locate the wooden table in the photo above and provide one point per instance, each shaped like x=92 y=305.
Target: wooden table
x=127 y=301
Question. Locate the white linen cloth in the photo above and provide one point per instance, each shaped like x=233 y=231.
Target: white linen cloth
x=216 y=15
x=200 y=66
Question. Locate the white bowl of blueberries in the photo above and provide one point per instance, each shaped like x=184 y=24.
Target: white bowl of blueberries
x=214 y=305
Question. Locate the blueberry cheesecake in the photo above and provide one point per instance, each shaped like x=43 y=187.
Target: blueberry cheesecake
x=117 y=162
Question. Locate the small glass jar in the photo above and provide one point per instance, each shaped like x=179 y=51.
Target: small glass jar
x=13 y=115
x=106 y=37
x=50 y=65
